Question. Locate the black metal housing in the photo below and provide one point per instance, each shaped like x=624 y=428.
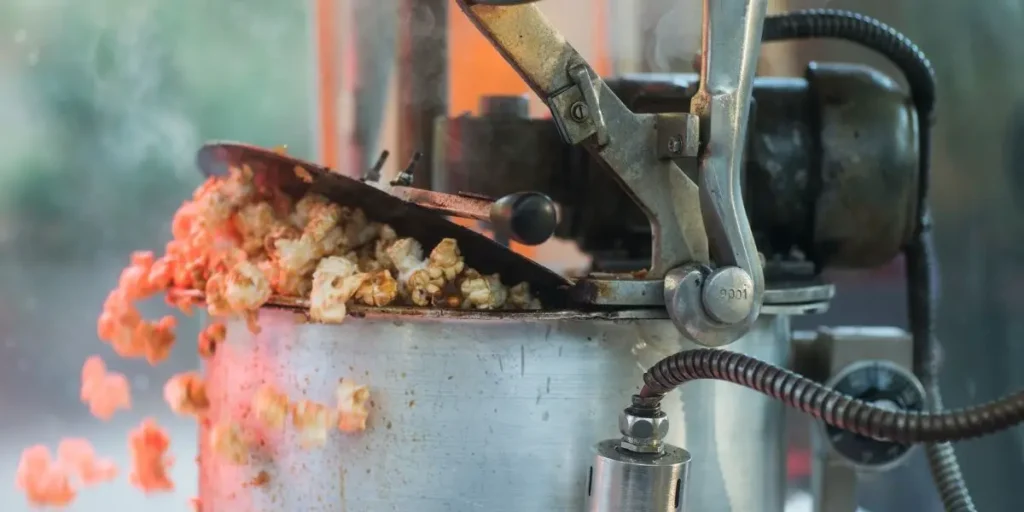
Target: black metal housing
x=831 y=172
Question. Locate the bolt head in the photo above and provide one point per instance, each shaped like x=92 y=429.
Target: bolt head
x=675 y=145
x=579 y=111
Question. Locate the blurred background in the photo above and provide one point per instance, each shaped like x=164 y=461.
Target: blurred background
x=104 y=103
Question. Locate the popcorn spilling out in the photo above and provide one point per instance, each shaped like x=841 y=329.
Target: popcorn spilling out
x=353 y=406
x=229 y=443
x=149 y=459
x=78 y=455
x=313 y=421
x=186 y=394
x=121 y=324
x=43 y=480
x=211 y=337
x=105 y=393
x=271 y=407
x=242 y=242
x=51 y=483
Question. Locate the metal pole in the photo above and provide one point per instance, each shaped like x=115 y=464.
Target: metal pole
x=422 y=80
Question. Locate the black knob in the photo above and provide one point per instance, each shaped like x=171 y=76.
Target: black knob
x=529 y=218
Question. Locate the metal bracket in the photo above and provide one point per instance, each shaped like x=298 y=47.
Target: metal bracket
x=589 y=113
x=640 y=151
x=678 y=135
x=577 y=110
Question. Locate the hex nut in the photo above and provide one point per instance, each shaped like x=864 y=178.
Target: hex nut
x=643 y=429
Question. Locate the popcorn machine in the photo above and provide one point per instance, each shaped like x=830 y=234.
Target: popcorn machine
x=708 y=204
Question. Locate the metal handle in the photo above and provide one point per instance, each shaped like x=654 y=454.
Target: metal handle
x=529 y=218
x=732 y=294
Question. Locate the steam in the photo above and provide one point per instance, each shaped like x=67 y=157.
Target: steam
x=20 y=130
x=120 y=72
x=147 y=125
x=375 y=28
x=675 y=36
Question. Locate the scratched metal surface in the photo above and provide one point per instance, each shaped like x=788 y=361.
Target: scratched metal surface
x=497 y=415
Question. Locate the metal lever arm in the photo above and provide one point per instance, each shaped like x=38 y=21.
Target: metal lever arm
x=731 y=295
x=590 y=114
x=731 y=44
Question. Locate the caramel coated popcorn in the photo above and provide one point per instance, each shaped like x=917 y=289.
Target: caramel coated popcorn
x=185 y=393
x=105 y=393
x=229 y=443
x=313 y=421
x=353 y=406
x=271 y=406
x=150 y=461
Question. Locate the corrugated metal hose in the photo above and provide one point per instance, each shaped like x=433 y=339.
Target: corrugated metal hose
x=830 y=406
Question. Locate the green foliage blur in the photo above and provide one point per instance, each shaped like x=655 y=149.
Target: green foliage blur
x=104 y=103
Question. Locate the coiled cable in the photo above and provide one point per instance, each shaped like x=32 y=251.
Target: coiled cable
x=825 y=404
x=920 y=260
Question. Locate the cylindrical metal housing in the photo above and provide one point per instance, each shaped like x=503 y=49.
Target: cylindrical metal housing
x=622 y=481
x=831 y=168
x=481 y=412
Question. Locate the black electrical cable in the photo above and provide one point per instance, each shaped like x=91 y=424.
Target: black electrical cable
x=920 y=260
x=830 y=406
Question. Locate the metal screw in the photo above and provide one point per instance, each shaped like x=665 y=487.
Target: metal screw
x=579 y=111
x=675 y=145
x=405 y=178
x=373 y=174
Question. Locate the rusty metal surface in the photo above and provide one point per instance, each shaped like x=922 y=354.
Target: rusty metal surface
x=406 y=218
x=619 y=290
x=300 y=307
x=467 y=207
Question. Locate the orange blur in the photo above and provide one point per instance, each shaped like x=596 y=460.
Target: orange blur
x=328 y=61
